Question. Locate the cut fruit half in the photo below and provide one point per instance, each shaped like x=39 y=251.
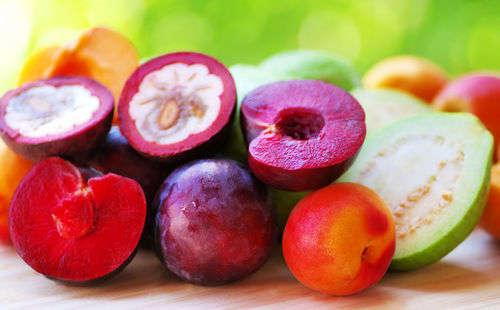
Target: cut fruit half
x=433 y=172
x=174 y=104
x=64 y=116
x=76 y=225
x=302 y=134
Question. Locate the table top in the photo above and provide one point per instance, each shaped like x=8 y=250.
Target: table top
x=467 y=278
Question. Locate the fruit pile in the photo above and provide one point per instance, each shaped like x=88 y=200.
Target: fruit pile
x=211 y=166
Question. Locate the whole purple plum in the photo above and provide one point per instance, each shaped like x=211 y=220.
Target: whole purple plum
x=215 y=223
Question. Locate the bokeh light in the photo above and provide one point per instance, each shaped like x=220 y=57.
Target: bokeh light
x=461 y=36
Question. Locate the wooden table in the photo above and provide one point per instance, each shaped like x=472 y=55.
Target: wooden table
x=468 y=278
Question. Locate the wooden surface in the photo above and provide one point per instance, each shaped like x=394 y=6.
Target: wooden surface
x=468 y=278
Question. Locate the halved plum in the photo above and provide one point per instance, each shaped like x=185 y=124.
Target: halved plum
x=75 y=224
x=177 y=105
x=302 y=134
x=63 y=116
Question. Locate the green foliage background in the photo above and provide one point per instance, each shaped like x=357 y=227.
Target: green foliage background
x=461 y=36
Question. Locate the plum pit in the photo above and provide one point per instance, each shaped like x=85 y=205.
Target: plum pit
x=74 y=215
x=300 y=124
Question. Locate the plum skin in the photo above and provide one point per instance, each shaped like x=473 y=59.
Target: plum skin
x=115 y=155
x=215 y=222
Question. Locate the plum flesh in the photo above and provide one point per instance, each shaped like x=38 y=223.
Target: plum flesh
x=176 y=106
x=302 y=134
x=215 y=222
x=63 y=116
x=75 y=224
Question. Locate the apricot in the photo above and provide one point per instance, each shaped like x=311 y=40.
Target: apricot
x=35 y=66
x=340 y=239
x=412 y=74
x=13 y=170
x=476 y=93
x=98 y=53
x=491 y=214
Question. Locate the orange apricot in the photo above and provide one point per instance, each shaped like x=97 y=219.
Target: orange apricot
x=412 y=74
x=491 y=215
x=339 y=239
x=14 y=168
x=98 y=53
x=36 y=65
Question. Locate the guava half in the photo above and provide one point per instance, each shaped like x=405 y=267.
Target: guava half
x=433 y=170
x=385 y=106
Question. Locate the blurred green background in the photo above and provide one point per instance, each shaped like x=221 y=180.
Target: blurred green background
x=459 y=35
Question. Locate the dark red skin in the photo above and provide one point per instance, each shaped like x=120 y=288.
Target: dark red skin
x=115 y=155
x=203 y=143
x=301 y=156
x=72 y=144
x=89 y=250
x=215 y=222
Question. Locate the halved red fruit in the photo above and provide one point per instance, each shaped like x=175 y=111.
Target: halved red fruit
x=63 y=116
x=75 y=224
x=177 y=105
x=302 y=134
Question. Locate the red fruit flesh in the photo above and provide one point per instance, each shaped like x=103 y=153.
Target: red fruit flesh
x=72 y=142
x=75 y=229
x=302 y=135
x=175 y=100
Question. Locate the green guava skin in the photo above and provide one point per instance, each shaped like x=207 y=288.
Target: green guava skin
x=467 y=207
x=385 y=106
x=314 y=65
x=284 y=202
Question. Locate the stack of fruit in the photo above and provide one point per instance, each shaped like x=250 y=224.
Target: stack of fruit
x=174 y=170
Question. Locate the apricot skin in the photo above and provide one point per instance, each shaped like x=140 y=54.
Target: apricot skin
x=13 y=170
x=99 y=53
x=491 y=214
x=411 y=74
x=340 y=239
